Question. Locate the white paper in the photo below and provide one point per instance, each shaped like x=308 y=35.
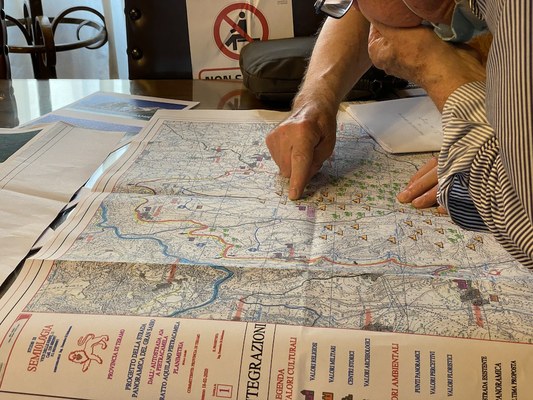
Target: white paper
x=106 y=111
x=39 y=180
x=187 y=273
x=99 y=357
x=53 y=173
x=410 y=125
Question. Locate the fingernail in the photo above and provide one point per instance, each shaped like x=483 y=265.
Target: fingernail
x=293 y=194
x=403 y=197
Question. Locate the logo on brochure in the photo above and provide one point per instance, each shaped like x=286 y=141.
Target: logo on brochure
x=86 y=355
x=310 y=395
x=223 y=391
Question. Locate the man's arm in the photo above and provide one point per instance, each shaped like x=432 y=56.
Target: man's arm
x=339 y=59
x=301 y=143
x=485 y=164
x=489 y=135
x=418 y=55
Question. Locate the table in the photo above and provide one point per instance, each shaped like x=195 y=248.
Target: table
x=22 y=100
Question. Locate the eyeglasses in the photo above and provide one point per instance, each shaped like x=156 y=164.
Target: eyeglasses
x=335 y=9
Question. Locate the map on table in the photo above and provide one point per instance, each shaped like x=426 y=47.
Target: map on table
x=199 y=225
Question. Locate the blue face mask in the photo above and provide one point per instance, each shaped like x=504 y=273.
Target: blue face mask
x=465 y=24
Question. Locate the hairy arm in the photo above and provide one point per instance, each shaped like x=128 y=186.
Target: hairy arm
x=339 y=59
x=301 y=143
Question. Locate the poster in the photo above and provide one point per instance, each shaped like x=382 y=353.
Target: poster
x=103 y=357
x=221 y=28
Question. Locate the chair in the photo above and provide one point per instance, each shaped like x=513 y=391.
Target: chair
x=153 y=51
x=158 y=36
x=5 y=71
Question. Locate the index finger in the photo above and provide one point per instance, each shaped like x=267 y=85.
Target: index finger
x=301 y=165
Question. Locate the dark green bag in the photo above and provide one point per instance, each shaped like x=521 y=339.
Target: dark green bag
x=273 y=70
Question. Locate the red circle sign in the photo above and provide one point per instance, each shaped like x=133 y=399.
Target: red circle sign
x=238 y=34
x=231 y=100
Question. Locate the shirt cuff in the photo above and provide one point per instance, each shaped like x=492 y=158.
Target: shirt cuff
x=465 y=129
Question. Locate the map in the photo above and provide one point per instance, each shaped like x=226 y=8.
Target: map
x=199 y=225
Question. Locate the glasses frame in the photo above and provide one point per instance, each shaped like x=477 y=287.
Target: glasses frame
x=319 y=8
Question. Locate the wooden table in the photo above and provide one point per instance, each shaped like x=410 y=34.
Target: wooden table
x=22 y=100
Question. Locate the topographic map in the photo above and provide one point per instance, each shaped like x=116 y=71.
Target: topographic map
x=200 y=226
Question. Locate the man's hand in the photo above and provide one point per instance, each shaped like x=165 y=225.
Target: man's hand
x=301 y=144
x=421 y=191
x=419 y=56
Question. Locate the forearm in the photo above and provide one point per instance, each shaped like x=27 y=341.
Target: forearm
x=420 y=56
x=457 y=77
x=440 y=82
x=339 y=59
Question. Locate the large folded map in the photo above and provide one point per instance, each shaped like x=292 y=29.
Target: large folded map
x=194 y=223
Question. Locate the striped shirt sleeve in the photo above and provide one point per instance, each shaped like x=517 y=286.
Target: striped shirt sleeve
x=486 y=162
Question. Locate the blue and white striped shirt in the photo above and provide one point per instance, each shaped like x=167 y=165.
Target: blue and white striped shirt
x=486 y=161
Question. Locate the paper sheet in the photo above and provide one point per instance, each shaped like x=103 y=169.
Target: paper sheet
x=112 y=112
x=410 y=125
x=39 y=180
x=187 y=273
x=124 y=357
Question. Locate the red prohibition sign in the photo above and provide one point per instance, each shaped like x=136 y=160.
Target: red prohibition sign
x=224 y=16
x=232 y=95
